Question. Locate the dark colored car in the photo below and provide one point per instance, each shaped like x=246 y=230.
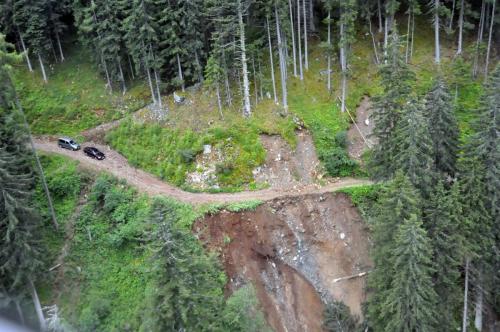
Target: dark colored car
x=94 y=153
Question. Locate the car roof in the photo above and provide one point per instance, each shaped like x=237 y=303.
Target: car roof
x=66 y=138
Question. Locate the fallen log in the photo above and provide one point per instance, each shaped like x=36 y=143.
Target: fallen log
x=362 y=274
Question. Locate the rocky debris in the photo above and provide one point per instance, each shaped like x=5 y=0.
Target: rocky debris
x=356 y=144
x=291 y=249
x=205 y=174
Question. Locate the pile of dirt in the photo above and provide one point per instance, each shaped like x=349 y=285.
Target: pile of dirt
x=364 y=124
x=292 y=249
x=285 y=167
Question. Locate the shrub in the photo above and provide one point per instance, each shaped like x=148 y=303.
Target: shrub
x=341 y=139
x=338 y=163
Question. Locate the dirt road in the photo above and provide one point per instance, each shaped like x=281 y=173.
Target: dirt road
x=118 y=166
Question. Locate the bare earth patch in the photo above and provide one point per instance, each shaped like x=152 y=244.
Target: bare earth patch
x=292 y=249
x=287 y=168
x=356 y=144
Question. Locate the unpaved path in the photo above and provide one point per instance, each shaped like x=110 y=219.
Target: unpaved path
x=118 y=166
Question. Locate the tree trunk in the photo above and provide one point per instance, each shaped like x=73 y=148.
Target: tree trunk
x=452 y=15
x=386 y=37
x=38 y=306
x=20 y=313
x=466 y=296
x=311 y=16
x=179 y=70
x=53 y=50
x=271 y=60
x=479 y=40
x=492 y=22
x=299 y=40
x=412 y=34
x=306 y=56
x=460 y=27
x=219 y=104
x=379 y=10
x=260 y=82
x=343 y=65
x=131 y=68
x=153 y=95
x=106 y=72
x=255 y=82
x=377 y=61
x=122 y=77
x=282 y=60
x=437 y=56
x=229 y=98
x=157 y=82
x=200 y=71
x=25 y=51
x=407 y=53
x=39 y=167
x=478 y=319
x=329 y=59
x=246 y=85
x=59 y=46
x=293 y=40
x=42 y=67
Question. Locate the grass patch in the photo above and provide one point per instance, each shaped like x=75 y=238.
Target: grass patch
x=75 y=97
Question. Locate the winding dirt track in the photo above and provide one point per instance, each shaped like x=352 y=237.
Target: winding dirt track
x=118 y=166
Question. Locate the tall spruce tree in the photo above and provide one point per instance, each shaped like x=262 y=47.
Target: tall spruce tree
x=414 y=156
x=443 y=221
x=443 y=127
x=20 y=248
x=397 y=202
x=410 y=302
x=396 y=80
x=189 y=286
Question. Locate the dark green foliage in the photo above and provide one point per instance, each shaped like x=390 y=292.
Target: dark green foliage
x=338 y=163
x=397 y=202
x=443 y=127
x=410 y=302
x=20 y=249
x=242 y=312
x=414 y=156
x=189 y=286
x=444 y=223
x=337 y=318
x=396 y=80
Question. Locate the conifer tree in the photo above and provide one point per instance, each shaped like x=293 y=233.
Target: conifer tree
x=443 y=221
x=410 y=302
x=348 y=13
x=397 y=202
x=443 y=127
x=20 y=248
x=188 y=291
x=414 y=156
x=396 y=81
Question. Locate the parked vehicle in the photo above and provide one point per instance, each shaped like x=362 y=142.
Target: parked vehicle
x=68 y=143
x=94 y=153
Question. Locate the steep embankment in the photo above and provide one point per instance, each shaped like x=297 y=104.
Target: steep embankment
x=292 y=249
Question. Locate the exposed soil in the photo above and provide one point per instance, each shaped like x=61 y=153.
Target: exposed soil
x=292 y=249
x=364 y=124
x=285 y=168
x=145 y=182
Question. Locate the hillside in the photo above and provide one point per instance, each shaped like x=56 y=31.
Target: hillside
x=269 y=165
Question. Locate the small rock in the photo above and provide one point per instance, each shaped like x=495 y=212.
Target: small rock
x=367 y=122
x=207 y=149
x=342 y=236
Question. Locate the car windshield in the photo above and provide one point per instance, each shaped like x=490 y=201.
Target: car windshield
x=71 y=142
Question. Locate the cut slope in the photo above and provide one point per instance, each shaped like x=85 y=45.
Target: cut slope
x=292 y=249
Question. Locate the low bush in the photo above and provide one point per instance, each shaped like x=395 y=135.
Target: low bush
x=338 y=163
